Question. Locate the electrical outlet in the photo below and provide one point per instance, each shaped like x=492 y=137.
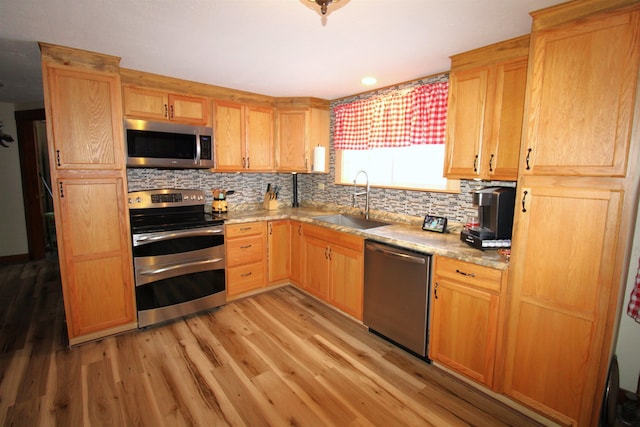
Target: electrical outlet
x=321 y=186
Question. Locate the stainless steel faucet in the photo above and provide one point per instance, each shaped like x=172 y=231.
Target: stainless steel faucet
x=365 y=193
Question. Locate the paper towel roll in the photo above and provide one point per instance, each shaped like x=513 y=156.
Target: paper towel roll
x=319 y=153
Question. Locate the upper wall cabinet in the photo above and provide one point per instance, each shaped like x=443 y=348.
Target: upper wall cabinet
x=300 y=127
x=144 y=103
x=243 y=137
x=586 y=132
x=486 y=102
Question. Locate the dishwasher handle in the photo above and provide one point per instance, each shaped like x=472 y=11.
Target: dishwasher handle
x=387 y=250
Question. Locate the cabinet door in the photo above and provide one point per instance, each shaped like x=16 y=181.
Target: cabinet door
x=188 y=109
x=464 y=323
x=229 y=136
x=95 y=255
x=346 y=280
x=279 y=252
x=86 y=120
x=563 y=274
x=467 y=104
x=316 y=267
x=292 y=141
x=297 y=253
x=259 y=138
x=501 y=151
x=581 y=98
x=145 y=103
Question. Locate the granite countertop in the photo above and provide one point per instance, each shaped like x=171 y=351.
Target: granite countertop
x=406 y=234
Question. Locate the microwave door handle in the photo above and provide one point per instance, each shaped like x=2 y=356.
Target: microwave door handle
x=198 y=150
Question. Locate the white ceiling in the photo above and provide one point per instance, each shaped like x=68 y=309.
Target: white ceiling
x=271 y=47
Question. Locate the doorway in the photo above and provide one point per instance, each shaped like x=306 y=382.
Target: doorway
x=36 y=184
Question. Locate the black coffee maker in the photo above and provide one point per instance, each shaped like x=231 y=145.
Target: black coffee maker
x=492 y=229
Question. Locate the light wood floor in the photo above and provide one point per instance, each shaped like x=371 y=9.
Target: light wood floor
x=279 y=358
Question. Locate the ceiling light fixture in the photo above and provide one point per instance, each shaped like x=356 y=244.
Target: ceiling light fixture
x=323 y=4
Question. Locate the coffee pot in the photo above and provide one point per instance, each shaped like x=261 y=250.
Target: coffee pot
x=219 y=204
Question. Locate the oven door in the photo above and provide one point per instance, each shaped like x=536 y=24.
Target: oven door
x=178 y=273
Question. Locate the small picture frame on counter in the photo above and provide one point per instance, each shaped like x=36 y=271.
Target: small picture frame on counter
x=434 y=223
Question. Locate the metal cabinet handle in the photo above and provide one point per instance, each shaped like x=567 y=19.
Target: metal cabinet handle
x=528 y=157
x=58 y=157
x=491 y=163
x=246 y=274
x=166 y=111
x=524 y=196
x=245 y=247
x=435 y=291
x=172 y=112
x=475 y=164
x=465 y=274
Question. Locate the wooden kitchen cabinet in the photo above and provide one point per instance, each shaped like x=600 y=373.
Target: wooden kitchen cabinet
x=466 y=321
x=577 y=191
x=145 y=103
x=298 y=132
x=486 y=102
x=586 y=131
x=297 y=253
x=278 y=251
x=243 y=137
x=86 y=151
x=334 y=268
x=245 y=246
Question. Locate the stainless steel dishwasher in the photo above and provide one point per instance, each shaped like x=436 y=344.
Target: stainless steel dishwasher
x=396 y=295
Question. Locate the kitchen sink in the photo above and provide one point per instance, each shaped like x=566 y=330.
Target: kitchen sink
x=350 y=221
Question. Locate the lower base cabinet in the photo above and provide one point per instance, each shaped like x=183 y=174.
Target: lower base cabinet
x=246 y=257
x=278 y=252
x=465 y=324
x=334 y=268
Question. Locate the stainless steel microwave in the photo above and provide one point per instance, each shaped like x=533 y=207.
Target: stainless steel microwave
x=168 y=145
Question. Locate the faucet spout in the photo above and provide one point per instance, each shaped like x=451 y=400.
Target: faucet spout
x=362 y=193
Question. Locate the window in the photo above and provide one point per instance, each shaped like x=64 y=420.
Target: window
x=413 y=167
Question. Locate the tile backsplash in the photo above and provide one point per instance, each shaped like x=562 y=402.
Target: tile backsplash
x=250 y=187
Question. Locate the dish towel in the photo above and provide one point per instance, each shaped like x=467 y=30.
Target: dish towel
x=633 y=309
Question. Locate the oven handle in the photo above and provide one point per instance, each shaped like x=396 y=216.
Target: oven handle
x=184 y=265
x=157 y=237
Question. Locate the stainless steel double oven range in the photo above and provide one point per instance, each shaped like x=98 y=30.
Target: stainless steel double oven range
x=178 y=253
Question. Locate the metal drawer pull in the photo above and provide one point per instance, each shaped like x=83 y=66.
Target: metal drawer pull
x=246 y=274
x=245 y=247
x=465 y=274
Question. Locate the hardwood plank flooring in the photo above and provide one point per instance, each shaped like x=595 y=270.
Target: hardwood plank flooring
x=278 y=358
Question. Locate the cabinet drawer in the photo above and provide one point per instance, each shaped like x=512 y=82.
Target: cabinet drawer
x=245 y=278
x=244 y=250
x=337 y=238
x=469 y=273
x=244 y=229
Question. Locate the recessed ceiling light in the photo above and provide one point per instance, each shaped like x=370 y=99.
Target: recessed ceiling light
x=369 y=81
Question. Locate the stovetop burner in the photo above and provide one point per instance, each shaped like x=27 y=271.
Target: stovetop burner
x=169 y=209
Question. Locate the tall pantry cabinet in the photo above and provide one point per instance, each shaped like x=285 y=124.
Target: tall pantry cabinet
x=86 y=147
x=578 y=191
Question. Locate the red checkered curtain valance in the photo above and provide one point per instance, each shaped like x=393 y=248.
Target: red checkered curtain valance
x=418 y=116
